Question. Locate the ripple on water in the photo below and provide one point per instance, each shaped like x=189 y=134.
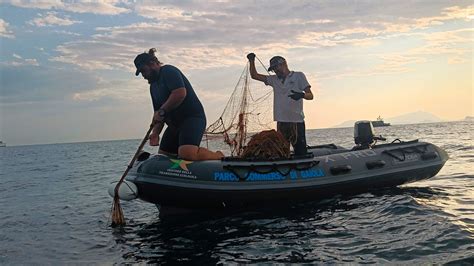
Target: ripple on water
x=54 y=209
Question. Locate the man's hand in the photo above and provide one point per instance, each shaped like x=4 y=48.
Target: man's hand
x=154 y=139
x=251 y=57
x=157 y=118
x=296 y=95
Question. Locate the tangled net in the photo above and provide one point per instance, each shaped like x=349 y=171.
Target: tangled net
x=247 y=112
x=267 y=145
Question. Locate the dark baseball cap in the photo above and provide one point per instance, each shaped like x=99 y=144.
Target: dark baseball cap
x=275 y=61
x=141 y=60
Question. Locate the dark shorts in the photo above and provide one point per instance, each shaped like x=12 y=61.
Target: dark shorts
x=189 y=132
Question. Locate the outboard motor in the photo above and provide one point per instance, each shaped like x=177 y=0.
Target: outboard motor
x=364 y=134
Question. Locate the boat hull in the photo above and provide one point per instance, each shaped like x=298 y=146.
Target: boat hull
x=380 y=124
x=174 y=183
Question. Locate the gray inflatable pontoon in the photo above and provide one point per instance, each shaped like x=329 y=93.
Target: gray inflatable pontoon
x=326 y=170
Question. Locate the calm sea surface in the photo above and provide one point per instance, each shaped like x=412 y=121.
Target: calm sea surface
x=54 y=209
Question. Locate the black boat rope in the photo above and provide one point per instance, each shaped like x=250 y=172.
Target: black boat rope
x=420 y=149
x=273 y=168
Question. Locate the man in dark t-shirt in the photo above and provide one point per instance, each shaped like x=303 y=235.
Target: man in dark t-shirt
x=175 y=104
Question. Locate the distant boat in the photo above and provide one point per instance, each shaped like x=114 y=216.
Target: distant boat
x=379 y=122
x=2 y=144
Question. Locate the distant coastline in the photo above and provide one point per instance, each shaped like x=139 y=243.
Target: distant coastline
x=346 y=124
x=409 y=118
x=350 y=123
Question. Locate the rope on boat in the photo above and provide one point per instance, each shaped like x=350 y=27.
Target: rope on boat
x=420 y=149
x=274 y=167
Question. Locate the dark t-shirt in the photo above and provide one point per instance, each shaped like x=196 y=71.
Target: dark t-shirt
x=169 y=79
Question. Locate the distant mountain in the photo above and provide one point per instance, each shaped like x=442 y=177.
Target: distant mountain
x=469 y=118
x=410 y=118
x=415 y=118
x=348 y=123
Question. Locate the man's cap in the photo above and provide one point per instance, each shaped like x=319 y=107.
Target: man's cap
x=275 y=61
x=141 y=60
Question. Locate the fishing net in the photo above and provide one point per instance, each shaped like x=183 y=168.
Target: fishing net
x=248 y=111
x=267 y=145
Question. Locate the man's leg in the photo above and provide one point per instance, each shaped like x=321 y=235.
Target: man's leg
x=300 y=145
x=190 y=135
x=291 y=133
x=169 y=142
x=195 y=153
x=288 y=130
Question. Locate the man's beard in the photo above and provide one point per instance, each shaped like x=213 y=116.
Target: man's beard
x=155 y=74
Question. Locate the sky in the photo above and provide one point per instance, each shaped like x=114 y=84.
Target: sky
x=67 y=72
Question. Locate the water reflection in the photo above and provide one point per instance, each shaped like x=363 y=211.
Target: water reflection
x=286 y=234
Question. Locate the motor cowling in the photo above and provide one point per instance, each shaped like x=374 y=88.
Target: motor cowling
x=363 y=133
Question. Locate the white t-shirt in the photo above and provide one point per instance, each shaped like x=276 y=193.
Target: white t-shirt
x=286 y=109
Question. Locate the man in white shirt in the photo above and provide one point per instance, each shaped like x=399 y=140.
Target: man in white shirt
x=289 y=90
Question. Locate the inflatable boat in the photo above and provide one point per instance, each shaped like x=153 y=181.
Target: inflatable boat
x=325 y=171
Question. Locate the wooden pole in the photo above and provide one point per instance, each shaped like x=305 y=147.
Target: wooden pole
x=117 y=214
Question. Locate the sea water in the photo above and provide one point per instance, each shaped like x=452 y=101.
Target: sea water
x=55 y=209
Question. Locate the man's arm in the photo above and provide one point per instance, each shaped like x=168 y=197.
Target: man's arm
x=174 y=100
x=308 y=94
x=155 y=133
x=253 y=70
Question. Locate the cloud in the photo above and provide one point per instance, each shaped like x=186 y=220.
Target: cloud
x=204 y=35
x=352 y=36
x=160 y=12
x=456 y=60
x=51 y=19
x=455 y=45
x=396 y=63
x=4 y=31
x=368 y=35
x=103 y=7
x=100 y=7
x=449 y=13
x=94 y=55
x=196 y=37
x=167 y=12
x=130 y=90
x=67 y=32
x=25 y=62
x=20 y=61
x=28 y=83
x=449 y=37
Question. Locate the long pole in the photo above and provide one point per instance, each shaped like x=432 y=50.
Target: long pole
x=117 y=214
